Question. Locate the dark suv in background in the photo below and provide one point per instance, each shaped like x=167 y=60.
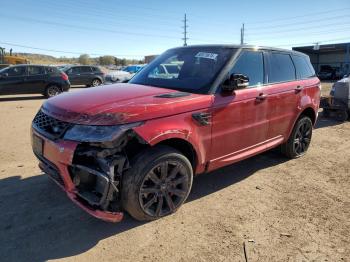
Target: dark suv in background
x=33 y=79
x=85 y=75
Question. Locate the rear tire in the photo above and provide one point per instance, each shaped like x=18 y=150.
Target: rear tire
x=52 y=90
x=342 y=115
x=299 y=141
x=158 y=183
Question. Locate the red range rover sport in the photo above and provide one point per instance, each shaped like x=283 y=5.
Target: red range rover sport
x=136 y=146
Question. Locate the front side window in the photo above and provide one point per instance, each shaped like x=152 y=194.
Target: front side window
x=16 y=71
x=189 y=69
x=35 y=70
x=281 y=68
x=250 y=64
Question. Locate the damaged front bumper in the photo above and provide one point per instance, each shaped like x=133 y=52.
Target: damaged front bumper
x=89 y=175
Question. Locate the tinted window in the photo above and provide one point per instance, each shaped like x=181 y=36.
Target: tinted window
x=50 y=70
x=250 y=64
x=16 y=71
x=281 y=68
x=198 y=68
x=85 y=69
x=35 y=70
x=302 y=67
x=74 y=70
x=95 y=69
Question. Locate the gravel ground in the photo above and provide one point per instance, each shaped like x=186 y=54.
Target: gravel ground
x=280 y=210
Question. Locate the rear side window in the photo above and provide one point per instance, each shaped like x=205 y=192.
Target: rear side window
x=95 y=69
x=281 y=68
x=303 y=67
x=85 y=69
x=35 y=70
x=250 y=64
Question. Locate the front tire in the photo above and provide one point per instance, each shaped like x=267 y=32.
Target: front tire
x=96 y=82
x=158 y=183
x=299 y=141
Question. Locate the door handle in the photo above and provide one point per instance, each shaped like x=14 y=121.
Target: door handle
x=299 y=89
x=261 y=97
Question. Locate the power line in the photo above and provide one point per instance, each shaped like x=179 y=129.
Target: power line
x=262 y=28
x=86 y=27
x=301 y=29
x=299 y=16
x=62 y=51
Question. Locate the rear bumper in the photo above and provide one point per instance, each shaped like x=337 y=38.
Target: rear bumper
x=66 y=86
x=56 y=159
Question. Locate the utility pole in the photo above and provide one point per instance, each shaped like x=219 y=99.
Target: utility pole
x=185 y=31
x=242 y=34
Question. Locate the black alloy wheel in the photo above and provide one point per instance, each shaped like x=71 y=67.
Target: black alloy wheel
x=157 y=183
x=300 y=138
x=164 y=188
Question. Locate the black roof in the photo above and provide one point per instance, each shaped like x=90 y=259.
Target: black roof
x=245 y=47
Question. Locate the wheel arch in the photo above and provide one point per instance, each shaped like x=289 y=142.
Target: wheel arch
x=309 y=112
x=183 y=146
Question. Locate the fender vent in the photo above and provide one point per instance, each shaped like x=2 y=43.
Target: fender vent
x=173 y=95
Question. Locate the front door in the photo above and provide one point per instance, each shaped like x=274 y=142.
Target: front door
x=12 y=80
x=239 y=120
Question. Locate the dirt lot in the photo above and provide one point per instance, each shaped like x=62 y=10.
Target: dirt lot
x=282 y=210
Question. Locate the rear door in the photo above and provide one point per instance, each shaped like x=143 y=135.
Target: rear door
x=13 y=83
x=86 y=75
x=35 y=81
x=239 y=120
x=284 y=92
x=74 y=75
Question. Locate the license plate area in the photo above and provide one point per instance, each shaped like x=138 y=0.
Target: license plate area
x=38 y=145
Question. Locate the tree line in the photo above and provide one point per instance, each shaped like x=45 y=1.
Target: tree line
x=85 y=59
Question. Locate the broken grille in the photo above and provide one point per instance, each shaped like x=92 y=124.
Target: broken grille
x=49 y=125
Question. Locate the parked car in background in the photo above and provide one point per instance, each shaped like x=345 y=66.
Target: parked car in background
x=118 y=76
x=133 y=69
x=85 y=75
x=135 y=147
x=33 y=79
x=328 y=72
x=167 y=71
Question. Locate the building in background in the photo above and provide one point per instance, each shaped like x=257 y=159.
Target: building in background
x=333 y=58
x=149 y=58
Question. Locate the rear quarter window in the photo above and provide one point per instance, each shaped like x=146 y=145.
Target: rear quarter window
x=281 y=68
x=303 y=67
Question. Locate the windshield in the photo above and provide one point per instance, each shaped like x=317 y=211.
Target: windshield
x=189 y=69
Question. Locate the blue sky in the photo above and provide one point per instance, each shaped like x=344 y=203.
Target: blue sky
x=133 y=29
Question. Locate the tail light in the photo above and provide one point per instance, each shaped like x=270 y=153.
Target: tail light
x=64 y=76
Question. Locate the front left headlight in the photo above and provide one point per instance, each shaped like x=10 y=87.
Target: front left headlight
x=86 y=133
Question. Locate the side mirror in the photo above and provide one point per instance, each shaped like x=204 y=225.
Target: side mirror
x=234 y=82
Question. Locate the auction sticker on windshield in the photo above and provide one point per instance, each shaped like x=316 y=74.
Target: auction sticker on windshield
x=206 y=55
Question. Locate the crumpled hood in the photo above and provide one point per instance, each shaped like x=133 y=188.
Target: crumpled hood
x=121 y=103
